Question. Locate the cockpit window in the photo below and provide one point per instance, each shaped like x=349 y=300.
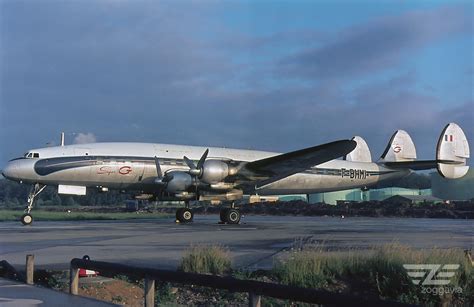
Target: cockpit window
x=31 y=155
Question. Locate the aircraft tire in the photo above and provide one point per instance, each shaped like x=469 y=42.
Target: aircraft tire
x=232 y=216
x=223 y=214
x=184 y=215
x=178 y=214
x=26 y=219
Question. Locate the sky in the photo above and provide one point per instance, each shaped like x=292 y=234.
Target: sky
x=269 y=75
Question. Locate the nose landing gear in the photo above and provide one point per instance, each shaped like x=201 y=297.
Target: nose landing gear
x=27 y=218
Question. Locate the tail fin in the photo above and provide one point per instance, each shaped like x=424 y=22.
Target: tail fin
x=361 y=153
x=452 y=146
x=400 y=148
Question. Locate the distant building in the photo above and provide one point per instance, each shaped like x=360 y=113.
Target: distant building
x=382 y=194
x=358 y=195
x=457 y=189
x=332 y=197
x=413 y=199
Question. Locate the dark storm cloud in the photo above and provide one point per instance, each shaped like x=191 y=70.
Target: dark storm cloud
x=377 y=45
x=102 y=67
x=298 y=117
x=157 y=72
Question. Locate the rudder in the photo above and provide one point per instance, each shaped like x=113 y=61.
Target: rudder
x=400 y=148
x=361 y=153
x=452 y=146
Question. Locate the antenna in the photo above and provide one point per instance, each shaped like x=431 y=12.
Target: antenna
x=62 y=138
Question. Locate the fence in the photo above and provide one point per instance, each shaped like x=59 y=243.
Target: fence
x=255 y=289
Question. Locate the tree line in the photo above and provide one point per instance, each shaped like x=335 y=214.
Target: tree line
x=13 y=194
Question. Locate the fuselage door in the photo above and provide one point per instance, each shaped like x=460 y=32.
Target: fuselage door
x=83 y=161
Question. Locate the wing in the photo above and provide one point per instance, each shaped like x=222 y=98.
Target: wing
x=277 y=167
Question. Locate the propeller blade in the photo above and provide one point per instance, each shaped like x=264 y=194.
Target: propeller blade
x=158 y=168
x=189 y=162
x=203 y=159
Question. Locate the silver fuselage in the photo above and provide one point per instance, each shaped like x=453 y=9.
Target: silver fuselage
x=131 y=166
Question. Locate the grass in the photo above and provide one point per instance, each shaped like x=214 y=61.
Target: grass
x=40 y=215
x=380 y=271
x=213 y=259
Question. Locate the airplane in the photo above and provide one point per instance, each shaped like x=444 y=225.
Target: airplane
x=186 y=173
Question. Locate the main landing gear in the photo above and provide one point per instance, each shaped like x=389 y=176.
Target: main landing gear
x=227 y=215
x=230 y=215
x=184 y=215
x=27 y=219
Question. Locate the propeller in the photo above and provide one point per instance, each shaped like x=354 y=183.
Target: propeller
x=158 y=167
x=196 y=170
x=160 y=179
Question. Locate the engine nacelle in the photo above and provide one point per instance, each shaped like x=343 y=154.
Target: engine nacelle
x=180 y=182
x=234 y=194
x=214 y=171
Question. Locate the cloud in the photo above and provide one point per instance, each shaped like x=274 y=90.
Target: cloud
x=84 y=138
x=152 y=72
x=378 y=44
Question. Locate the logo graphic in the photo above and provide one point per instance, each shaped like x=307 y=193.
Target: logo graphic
x=124 y=170
x=431 y=274
x=397 y=148
x=105 y=170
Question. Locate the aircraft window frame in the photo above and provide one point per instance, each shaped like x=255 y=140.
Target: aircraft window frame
x=30 y=155
x=36 y=155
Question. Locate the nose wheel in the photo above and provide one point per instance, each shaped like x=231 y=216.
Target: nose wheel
x=27 y=219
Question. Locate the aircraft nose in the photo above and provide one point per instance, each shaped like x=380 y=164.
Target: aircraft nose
x=11 y=170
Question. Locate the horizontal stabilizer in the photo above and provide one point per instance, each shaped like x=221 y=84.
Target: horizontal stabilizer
x=400 y=148
x=419 y=165
x=452 y=146
x=361 y=153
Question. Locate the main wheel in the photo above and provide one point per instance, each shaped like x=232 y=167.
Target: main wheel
x=184 y=215
x=26 y=219
x=232 y=216
x=223 y=215
x=179 y=213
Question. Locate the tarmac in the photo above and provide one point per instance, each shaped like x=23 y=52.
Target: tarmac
x=15 y=294
x=252 y=244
